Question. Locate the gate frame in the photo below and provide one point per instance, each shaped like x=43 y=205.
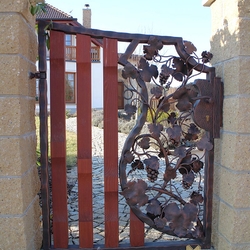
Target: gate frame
x=43 y=114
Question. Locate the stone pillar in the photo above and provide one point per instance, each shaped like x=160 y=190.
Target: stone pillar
x=19 y=183
x=230 y=44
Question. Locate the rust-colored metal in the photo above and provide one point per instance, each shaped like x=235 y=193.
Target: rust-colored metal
x=43 y=115
x=84 y=141
x=177 y=147
x=110 y=90
x=58 y=140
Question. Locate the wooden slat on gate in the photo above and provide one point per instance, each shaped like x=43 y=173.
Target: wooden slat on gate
x=58 y=140
x=110 y=142
x=84 y=141
x=84 y=146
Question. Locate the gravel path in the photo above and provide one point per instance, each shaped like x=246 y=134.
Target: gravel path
x=151 y=235
x=97 y=137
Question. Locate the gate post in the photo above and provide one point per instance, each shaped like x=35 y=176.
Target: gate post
x=231 y=50
x=19 y=182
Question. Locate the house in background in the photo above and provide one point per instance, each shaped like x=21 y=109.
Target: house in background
x=57 y=15
x=54 y=14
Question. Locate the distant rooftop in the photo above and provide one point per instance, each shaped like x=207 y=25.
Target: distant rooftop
x=52 y=13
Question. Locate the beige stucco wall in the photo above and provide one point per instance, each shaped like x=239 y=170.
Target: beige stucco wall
x=19 y=183
x=230 y=44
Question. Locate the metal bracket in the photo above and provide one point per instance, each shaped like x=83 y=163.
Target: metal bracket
x=38 y=75
x=208 y=111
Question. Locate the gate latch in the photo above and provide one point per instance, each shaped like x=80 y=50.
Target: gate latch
x=38 y=75
x=208 y=112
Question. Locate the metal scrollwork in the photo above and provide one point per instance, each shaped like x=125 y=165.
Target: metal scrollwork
x=160 y=170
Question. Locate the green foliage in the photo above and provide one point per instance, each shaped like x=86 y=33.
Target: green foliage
x=161 y=117
x=36 y=7
x=71 y=145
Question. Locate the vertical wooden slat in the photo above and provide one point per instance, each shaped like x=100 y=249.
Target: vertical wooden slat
x=43 y=115
x=84 y=143
x=136 y=231
x=58 y=139
x=111 y=142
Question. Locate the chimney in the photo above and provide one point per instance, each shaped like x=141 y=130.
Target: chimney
x=86 y=20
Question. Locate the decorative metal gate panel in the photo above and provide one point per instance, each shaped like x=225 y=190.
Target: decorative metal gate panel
x=165 y=150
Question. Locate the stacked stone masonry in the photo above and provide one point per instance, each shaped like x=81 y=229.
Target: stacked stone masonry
x=230 y=46
x=19 y=183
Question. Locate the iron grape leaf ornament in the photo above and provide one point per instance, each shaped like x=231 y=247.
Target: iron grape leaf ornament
x=155 y=129
x=152 y=162
x=154 y=207
x=196 y=198
x=197 y=166
x=187 y=180
x=164 y=104
x=180 y=152
x=137 y=164
x=193 y=132
x=135 y=193
x=156 y=91
x=130 y=109
x=128 y=157
x=151 y=50
x=189 y=47
x=166 y=71
x=172 y=118
x=129 y=71
x=160 y=222
x=169 y=174
x=147 y=72
x=181 y=220
x=204 y=143
x=174 y=133
x=144 y=143
x=185 y=98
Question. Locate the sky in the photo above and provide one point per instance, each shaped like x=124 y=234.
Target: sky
x=188 y=19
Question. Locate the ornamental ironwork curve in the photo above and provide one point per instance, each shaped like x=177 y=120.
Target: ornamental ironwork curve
x=166 y=153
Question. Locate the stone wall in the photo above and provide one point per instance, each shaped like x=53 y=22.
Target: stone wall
x=19 y=183
x=230 y=44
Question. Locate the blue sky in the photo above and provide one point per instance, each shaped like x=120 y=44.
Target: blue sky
x=182 y=18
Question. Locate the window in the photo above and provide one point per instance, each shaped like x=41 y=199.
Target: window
x=68 y=40
x=70 y=87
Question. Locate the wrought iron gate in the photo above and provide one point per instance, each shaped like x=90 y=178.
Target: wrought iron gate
x=159 y=155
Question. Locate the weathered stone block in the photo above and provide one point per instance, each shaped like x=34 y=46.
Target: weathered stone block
x=244 y=36
x=236 y=115
x=232 y=187
x=14 y=73
x=22 y=159
x=21 y=118
x=20 y=231
x=236 y=76
x=234 y=224
x=244 y=8
x=235 y=151
x=22 y=7
x=18 y=192
x=12 y=40
x=223 y=244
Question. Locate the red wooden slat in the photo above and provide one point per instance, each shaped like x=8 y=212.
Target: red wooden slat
x=111 y=142
x=84 y=145
x=136 y=231
x=58 y=139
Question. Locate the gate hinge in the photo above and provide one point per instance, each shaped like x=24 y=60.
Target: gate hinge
x=38 y=75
